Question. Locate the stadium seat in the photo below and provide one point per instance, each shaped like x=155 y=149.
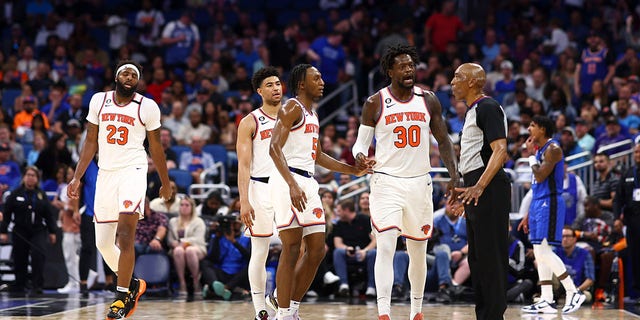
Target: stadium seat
x=154 y=268
x=180 y=149
x=218 y=151
x=8 y=98
x=182 y=178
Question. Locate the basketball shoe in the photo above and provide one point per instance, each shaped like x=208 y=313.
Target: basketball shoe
x=262 y=315
x=541 y=306
x=573 y=302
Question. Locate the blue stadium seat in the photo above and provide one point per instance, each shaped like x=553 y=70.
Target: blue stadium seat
x=218 y=151
x=182 y=178
x=154 y=268
x=178 y=149
x=277 y=4
x=8 y=98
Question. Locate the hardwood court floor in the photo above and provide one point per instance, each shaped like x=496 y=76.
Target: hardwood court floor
x=73 y=307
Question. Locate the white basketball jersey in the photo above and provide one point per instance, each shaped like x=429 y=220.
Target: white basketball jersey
x=122 y=129
x=402 y=135
x=261 y=163
x=302 y=143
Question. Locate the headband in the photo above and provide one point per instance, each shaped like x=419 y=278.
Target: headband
x=131 y=66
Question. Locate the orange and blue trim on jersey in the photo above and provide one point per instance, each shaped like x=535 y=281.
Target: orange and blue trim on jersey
x=399 y=229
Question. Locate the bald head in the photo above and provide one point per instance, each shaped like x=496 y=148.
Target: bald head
x=474 y=71
x=468 y=82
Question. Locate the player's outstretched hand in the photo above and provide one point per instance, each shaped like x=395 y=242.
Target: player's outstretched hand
x=364 y=165
x=72 y=189
x=457 y=208
x=470 y=194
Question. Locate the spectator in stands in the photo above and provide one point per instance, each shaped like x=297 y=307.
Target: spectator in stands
x=443 y=28
x=148 y=21
x=166 y=102
x=457 y=121
x=507 y=85
x=60 y=63
x=151 y=231
x=195 y=128
x=225 y=268
x=9 y=170
x=53 y=155
x=212 y=206
x=197 y=160
x=96 y=65
x=57 y=104
x=22 y=120
x=520 y=281
x=171 y=206
x=283 y=46
x=176 y=120
x=363 y=204
x=228 y=131
x=158 y=84
x=537 y=88
x=182 y=39
x=247 y=55
x=623 y=107
x=27 y=62
x=570 y=146
x=596 y=63
x=450 y=252
x=166 y=142
x=39 y=144
x=585 y=139
x=79 y=81
x=354 y=244
x=578 y=261
x=574 y=194
x=328 y=56
x=17 y=152
x=611 y=135
x=595 y=226
x=606 y=182
x=328 y=199
x=187 y=242
x=559 y=104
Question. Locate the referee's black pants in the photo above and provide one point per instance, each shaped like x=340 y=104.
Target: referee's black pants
x=88 y=247
x=488 y=235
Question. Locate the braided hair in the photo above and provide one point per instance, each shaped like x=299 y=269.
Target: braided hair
x=297 y=75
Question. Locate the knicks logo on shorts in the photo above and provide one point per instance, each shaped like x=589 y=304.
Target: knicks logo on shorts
x=426 y=229
x=318 y=212
x=127 y=204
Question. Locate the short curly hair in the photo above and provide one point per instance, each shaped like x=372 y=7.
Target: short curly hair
x=388 y=59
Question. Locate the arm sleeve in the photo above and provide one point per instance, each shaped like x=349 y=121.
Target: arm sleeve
x=363 y=142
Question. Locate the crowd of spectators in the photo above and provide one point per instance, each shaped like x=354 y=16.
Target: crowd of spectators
x=574 y=61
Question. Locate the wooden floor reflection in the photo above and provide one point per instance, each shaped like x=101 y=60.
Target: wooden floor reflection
x=76 y=308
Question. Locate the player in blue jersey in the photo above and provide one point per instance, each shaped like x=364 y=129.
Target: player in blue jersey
x=545 y=219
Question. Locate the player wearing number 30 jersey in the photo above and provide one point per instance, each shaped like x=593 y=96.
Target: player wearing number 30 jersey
x=401 y=117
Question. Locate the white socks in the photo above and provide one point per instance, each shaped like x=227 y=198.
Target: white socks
x=257 y=271
x=386 y=248
x=417 y=273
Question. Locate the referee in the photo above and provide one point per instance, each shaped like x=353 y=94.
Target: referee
x=626 y=206
x=486 y=195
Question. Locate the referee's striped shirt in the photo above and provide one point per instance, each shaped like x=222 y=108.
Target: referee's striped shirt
x=484 y=122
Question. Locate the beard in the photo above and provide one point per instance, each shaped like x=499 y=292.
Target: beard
x=121 y=90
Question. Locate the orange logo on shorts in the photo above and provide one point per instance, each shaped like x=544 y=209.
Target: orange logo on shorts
x=426 y=228
x=127 y=204
x=318 y=212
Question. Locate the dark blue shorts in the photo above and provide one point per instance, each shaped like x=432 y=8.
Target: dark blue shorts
x=546 y=220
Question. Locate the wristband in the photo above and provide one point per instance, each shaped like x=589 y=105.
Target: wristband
x=158 y=239
x=533 y=161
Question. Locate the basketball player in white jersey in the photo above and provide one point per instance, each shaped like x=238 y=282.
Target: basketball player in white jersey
x=254 y=169
x=295 y=150
x=400 y=117
x=118 y=122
